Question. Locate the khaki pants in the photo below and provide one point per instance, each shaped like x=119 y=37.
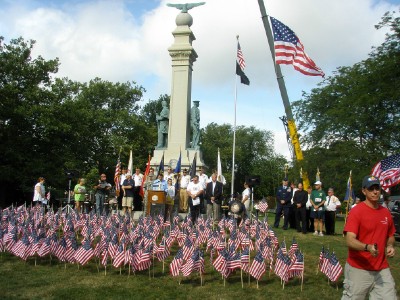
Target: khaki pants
x=359 y=283
x=213 y=211
x=183 y=200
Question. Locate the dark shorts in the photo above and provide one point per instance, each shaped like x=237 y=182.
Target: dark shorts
x=317 y=214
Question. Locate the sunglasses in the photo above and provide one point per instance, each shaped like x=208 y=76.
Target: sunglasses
x=374 y=188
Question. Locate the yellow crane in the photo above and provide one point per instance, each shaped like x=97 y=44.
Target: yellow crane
x=288 y=120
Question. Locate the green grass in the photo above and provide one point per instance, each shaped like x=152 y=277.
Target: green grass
x=24 y=280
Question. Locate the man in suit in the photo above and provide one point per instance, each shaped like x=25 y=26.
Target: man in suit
x=213 y=196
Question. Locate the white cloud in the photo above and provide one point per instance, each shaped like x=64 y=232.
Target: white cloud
x=104 y=39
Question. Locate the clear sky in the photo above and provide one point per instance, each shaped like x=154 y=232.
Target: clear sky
x=127 y=40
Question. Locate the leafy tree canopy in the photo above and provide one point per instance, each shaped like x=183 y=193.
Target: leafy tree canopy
x=351 y=120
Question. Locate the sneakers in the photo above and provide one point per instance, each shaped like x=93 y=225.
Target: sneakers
x=321 y=234
x=315 y=233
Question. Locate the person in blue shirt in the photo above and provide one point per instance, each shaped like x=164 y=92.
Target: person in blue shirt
x=283 y=202
x=160 y=184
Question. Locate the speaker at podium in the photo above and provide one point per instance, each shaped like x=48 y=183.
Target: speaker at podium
x=155 y=203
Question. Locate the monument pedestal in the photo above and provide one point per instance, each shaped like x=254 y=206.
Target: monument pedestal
x=171 y=158
x=182 y=55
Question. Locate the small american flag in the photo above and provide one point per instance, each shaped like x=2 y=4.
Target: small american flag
x=119 y=256
x=335 y=269
x=388 y=171
x=263 y=206
x=84 y=253
x=297 y=268
x=240 y=65
x=176 y=263
x=245 y=260
x=257 y=268
x=290 y=51
x=292 y=250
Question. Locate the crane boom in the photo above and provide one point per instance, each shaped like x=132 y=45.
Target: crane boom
x=294 y=138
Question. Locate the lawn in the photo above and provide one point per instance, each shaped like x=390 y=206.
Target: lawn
x=54 y=280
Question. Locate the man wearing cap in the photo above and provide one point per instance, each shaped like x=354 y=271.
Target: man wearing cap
x=283 y=199
x=317 y=199
x=370 y=239
x=128 y=187
x=183 y=196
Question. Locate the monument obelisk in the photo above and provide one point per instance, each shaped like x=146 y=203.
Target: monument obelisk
x=182 y=55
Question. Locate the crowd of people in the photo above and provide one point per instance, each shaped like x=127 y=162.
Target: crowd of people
x=306 y=211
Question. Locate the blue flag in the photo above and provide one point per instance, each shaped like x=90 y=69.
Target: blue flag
x=161 y=167
x=178 y=165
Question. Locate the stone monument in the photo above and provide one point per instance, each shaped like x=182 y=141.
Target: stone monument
x=179 y=123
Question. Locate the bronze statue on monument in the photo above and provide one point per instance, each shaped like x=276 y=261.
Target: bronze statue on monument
x=195 y=125
x=162 y=126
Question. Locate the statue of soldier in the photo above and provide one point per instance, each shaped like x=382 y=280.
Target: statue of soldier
x=162 y=126
x=195 y=124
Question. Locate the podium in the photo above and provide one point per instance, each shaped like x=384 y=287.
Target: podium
x=155 y=198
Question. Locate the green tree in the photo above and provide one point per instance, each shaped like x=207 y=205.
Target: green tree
x=254 y=155
x=48 y=125
x=351 y=120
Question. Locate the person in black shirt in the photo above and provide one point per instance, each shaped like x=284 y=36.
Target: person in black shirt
x=300 y=200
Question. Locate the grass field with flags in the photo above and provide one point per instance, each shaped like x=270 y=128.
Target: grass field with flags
x=90 y=272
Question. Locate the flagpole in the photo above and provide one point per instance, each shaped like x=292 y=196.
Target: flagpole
x=234 y=134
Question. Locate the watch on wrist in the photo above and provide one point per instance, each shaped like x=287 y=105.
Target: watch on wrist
x=366 y=248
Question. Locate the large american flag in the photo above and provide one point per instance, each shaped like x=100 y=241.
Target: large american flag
x=290 y=51
x=388 y=171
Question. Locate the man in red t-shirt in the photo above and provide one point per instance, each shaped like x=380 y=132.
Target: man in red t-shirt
x=369 y=234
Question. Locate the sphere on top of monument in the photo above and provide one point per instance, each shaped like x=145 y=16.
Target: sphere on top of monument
x=184 y=19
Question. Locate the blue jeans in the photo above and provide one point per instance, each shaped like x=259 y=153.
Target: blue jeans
x=100 y=203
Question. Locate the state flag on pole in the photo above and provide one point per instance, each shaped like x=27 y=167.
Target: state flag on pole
x=240 y=65
x=290 y=51
x=178 y=164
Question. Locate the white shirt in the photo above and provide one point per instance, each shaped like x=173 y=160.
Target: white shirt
x=39 y=196
x=169 y=176
x=185 y=181
x=308 y=204
x=122 y=178
x=171 y=191
x=330 y=204
x=138 y=179
x=194 y=188
x=294 y=191
x=203 y=179
x=245 y=193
